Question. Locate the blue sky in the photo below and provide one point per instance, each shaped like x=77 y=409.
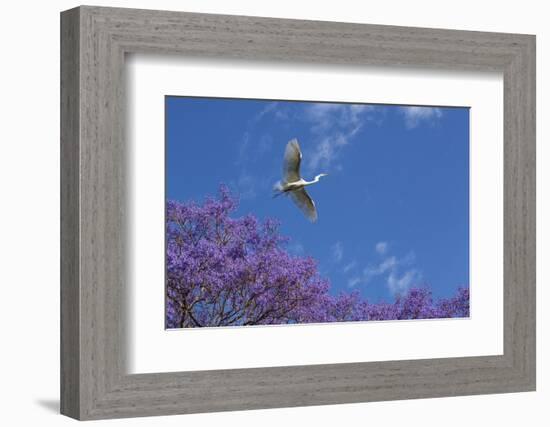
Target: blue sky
x=394 y=210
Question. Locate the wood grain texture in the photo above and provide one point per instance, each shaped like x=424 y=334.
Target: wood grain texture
x=94 y=382
x=70 y=314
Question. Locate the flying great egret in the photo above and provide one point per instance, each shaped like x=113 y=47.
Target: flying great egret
x=293 y=184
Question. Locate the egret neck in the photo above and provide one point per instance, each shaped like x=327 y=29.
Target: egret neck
x=316 y=179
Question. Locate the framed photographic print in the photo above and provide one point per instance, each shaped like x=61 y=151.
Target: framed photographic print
x=262 y=213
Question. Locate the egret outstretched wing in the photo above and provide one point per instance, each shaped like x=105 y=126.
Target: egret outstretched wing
x=305 y=203
x=293 y=157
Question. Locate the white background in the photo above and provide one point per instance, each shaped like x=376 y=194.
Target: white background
x=29 y=218
x=152 y=349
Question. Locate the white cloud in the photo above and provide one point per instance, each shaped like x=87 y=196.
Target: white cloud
x=354 y=281
x=245 y=186
x=414 y=115
x=386 y=265
x=243 y=149
x=337 y=251
x=326 y=115
x=409 y=258
x=398 y=273
x=276 y=109
x=296 y=248
x=335 y=125
x=255 y=144
x=381 y=247
x=269 y=108
x=323 y=115
x=398 y=284
x=264 y=144
x=348 y=267
x=325 y=151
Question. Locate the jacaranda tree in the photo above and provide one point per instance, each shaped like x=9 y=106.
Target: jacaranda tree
x=224 y=271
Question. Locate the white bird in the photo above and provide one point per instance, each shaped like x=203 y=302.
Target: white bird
x=293 y=184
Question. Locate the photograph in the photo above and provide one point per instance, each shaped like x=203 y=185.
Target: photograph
x=301 y=212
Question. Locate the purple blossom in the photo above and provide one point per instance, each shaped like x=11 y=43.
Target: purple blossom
x=224 y=271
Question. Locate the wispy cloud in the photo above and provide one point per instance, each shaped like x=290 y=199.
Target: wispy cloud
x=274 y=109
x=388 y=264
x=265 y=143
x=270 y=107
x=326 y=151
x=245 y=186
x=296 y=248
x=398 y=284
x=337 y=252
x=243 y=149
x=398 y=273
x=381 y=247
x=334 y=126
x=255 y=144
x=415 y=115
x=324 y=116
x=349 y=266
x=354 y=281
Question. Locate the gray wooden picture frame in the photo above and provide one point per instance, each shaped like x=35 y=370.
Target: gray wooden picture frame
x=94 y=41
